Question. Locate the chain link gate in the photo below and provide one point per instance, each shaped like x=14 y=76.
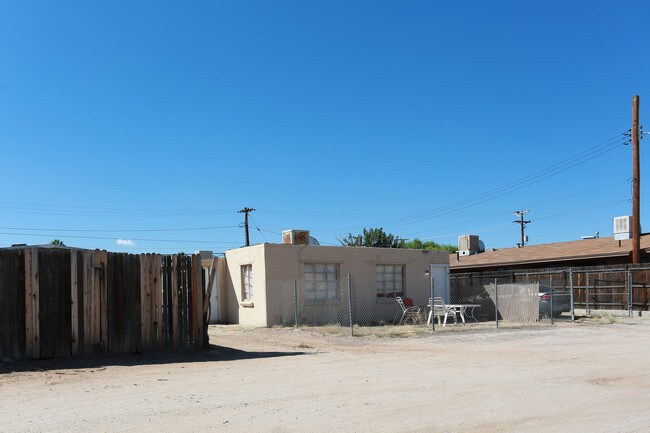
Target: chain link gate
x=608 y=290
x=555 y=293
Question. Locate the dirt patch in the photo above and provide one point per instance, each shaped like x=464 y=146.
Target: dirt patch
x=523 y=378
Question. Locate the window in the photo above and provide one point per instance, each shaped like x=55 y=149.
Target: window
x=320 y=282
x=247 y=282
x=390 y=281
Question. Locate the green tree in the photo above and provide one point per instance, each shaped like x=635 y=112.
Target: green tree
x=58 y=243
x=373 y=238
x=417 y=244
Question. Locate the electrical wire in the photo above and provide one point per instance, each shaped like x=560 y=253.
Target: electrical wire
x=258 y=229
x=119 y=230
x=112 y=238
x=515 y=185
x=408 y=235
x=508 y=225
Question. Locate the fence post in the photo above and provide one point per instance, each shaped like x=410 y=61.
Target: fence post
x=573 y=316
x=630 y=304
x=350 y=304
x=295 y=303
x=496 y=302
x=587 y=294
x=550 y=280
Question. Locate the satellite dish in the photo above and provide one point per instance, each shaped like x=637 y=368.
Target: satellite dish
x=313 y=241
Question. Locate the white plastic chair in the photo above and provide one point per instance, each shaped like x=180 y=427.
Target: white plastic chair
x=438 y=309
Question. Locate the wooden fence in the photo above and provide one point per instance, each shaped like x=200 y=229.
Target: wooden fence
x=611 y=287
x=67 y=302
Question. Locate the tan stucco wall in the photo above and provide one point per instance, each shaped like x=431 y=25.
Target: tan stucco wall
x=236 y=310
x=284 y=263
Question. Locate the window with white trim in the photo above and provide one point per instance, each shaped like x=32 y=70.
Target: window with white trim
x=389 y=281
x=320 y=282
x=247 y=282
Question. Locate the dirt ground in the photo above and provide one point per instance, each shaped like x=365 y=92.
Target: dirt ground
x=591 y=376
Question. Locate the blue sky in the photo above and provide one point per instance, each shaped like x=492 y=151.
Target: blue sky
x=152 y=123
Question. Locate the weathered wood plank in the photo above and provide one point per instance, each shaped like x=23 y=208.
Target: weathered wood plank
x=156 y=297
x=5 y=316
x=168 y=300
x=186 y=273
x=88 y=300
x=80 y=302
x=64 y=324
x=97 y=301
x=29 y=305
x=36 y=305
x=54 y=282
x=103 y=301
x=112 y=313
x=122 y=304
x=136 y=312
x=194 y=330
x=74 y=304
x=151 y=331
x=145 y=299
x=45 y=303
x=199 y=342
x=19 y=299
x=175 y=327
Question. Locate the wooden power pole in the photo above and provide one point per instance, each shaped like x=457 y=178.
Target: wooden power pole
x=523 y=223
x=636 y=183
x=246 y=211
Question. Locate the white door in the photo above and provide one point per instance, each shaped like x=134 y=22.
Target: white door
x=440 y=280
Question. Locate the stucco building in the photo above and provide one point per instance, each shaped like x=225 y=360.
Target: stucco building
x=258 y=281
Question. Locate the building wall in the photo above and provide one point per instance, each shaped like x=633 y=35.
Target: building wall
x=238 y=311
x=284 y=263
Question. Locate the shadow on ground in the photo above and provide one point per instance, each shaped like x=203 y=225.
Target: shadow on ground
x=213 y=354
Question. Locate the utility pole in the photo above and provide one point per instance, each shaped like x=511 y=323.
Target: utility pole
x=520 y=214
x=246 y=211
x=636 y=183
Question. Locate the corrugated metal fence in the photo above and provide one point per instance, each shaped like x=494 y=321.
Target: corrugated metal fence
x=67 y=302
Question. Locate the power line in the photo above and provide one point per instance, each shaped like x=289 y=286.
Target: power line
x=258 y=229
x=507 y=188
x=509 y=225
x=117 y=209
x=530 y=206
x=113 y=238
x=118 y=230
x=515 y=185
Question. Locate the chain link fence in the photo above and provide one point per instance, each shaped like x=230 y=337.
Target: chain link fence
x=501 y=298
x=350 y=305
x=361 y=306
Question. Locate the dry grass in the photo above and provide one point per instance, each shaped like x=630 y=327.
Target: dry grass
x=416 y=331
x=423 y=330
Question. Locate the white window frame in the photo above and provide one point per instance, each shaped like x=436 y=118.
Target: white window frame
x=390 y=281
x=247 y=282
x=321 y=282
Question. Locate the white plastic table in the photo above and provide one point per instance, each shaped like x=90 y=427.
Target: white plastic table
x=462 y=309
